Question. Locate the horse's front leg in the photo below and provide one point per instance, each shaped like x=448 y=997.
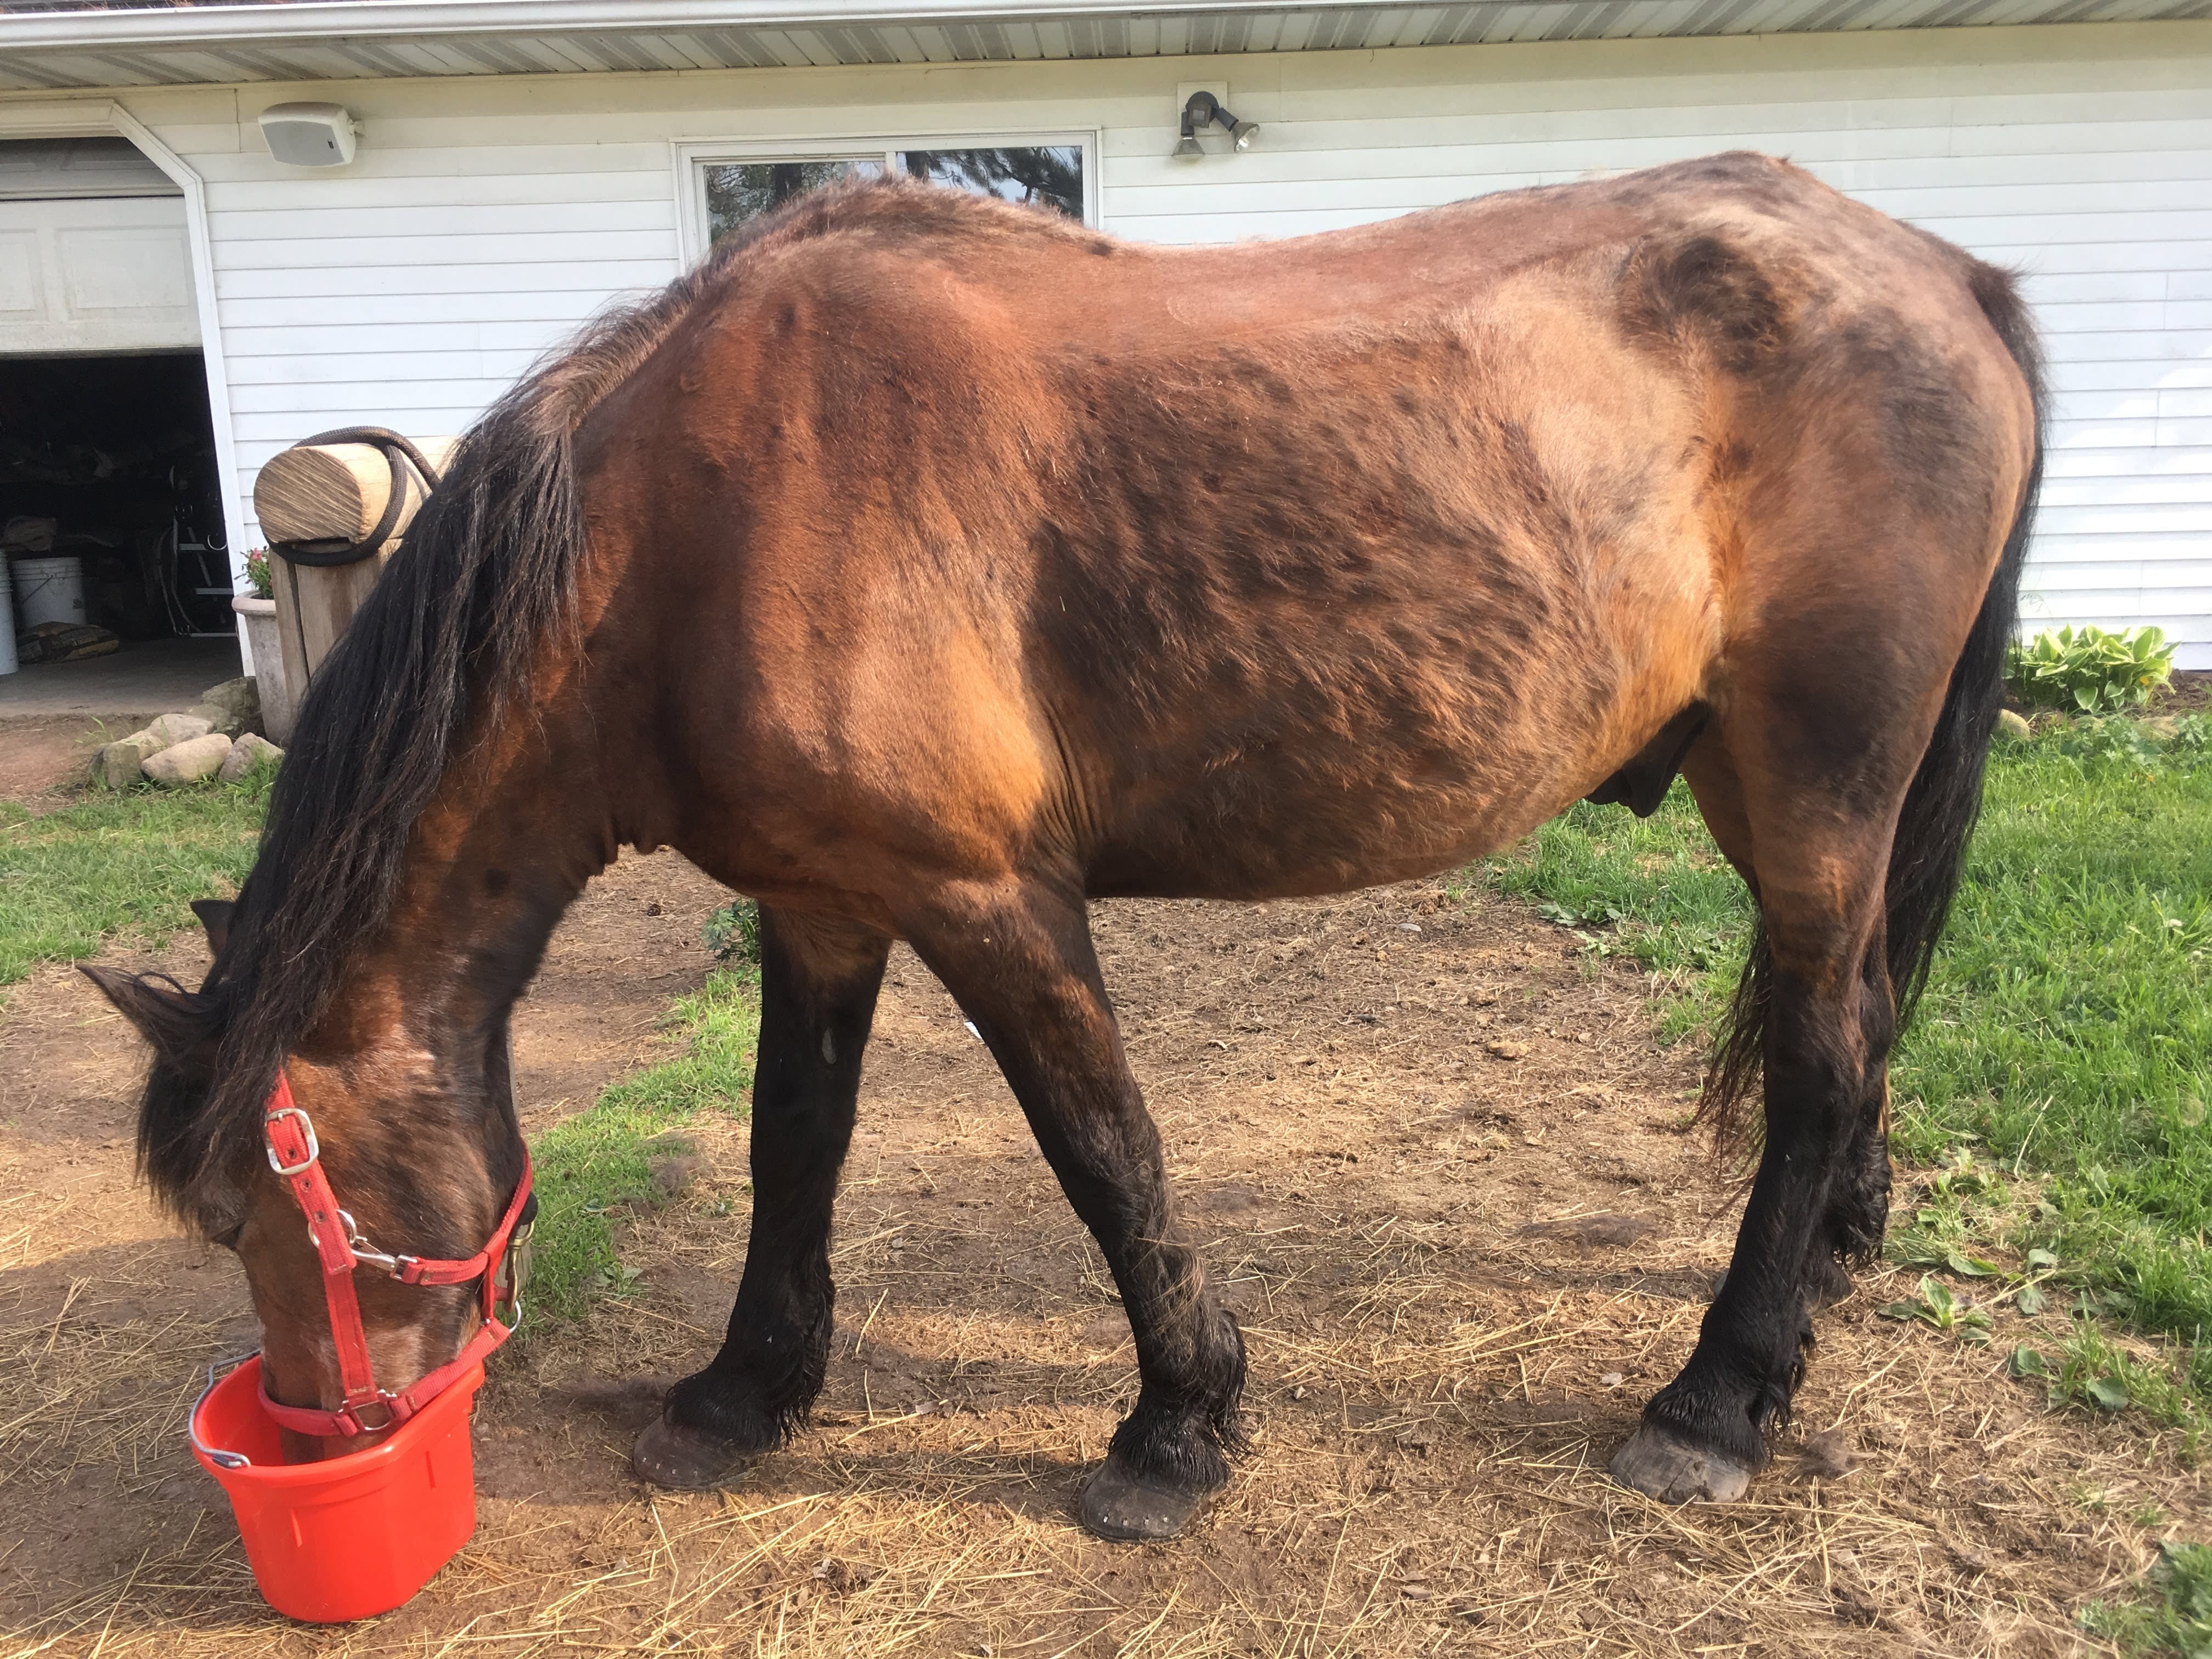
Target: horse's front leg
x=818 y=986
x=1018 y=959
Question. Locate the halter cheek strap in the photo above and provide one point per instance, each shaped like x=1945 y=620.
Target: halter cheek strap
x=293 y=1154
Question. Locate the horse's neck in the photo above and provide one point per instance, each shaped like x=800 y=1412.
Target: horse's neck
x=516 y=828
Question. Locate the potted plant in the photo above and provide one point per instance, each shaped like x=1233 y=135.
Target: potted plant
x=256 y=615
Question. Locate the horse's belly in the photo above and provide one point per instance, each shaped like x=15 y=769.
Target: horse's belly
x=1320 y=810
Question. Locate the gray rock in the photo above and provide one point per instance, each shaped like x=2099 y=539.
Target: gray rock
x=218 y=718
x=1829 y=1455
x=1604 y=1230
x=190 y=760
x=115 y=764
x=180 y=728
x=672 y=1175
x=241 y=696
x=2010 y=725
x=248 y=752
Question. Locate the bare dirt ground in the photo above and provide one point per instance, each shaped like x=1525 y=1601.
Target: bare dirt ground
x=1439 y=1168
x=42 y=756
x=2190 y=694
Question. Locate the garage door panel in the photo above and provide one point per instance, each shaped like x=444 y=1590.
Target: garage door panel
x=147 y=270
x=96 y=274
x=22 y=297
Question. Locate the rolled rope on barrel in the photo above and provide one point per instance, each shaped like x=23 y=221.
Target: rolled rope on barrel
x=324 y=553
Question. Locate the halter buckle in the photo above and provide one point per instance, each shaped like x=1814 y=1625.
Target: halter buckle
x=306 y=1128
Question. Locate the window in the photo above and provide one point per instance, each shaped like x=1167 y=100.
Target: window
x=726 y=185
x=739 y=191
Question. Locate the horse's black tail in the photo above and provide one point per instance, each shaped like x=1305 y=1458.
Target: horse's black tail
x=1945 y=794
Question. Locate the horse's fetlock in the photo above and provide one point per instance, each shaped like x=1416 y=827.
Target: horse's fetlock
x=1730 y=1422
x=1182 y=1450
x=729 y=1406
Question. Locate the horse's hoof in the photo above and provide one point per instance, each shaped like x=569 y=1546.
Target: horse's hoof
x=1128 y=1511
x=686 y=1459
x=1662 y=1464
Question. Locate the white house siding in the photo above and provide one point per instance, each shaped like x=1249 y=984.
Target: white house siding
x=487 y=217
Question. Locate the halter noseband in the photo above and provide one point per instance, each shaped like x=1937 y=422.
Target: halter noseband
x=293 y=1154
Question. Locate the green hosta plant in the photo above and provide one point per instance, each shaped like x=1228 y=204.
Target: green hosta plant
x=2089 y=670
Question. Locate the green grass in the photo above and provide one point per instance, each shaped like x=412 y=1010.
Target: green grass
x=1653 y=891
x=597 y=1166
x=2066 y=1032
x=125 y=861
x=2176 y=1620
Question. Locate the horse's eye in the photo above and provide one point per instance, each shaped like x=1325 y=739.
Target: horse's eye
x=227 y=1239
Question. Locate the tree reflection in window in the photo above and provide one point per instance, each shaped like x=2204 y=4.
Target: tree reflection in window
x=740 y=191
x=1042 y=175
x=1049 y=176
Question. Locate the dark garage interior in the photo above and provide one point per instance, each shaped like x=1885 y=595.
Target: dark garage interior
x=110 y=460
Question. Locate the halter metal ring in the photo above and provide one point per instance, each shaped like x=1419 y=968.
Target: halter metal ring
x=383 y=1400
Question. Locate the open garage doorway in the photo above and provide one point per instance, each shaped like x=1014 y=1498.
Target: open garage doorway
x=111 y=461
x=111 y=504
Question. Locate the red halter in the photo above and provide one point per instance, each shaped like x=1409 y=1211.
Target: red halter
x=295 y=1155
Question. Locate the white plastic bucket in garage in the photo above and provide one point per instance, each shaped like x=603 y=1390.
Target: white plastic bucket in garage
x=7 y=622
x=49 y=590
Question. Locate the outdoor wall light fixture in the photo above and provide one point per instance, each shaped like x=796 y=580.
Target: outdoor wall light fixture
x=1200 y=110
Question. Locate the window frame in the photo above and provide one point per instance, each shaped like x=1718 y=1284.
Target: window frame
x=692 y=157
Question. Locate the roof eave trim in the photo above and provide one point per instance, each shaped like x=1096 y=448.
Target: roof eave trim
x=323 y=20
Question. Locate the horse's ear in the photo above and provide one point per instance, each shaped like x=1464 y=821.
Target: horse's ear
x=164 y=1014
x=214 y=916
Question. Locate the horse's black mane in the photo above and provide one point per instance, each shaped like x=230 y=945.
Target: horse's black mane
x=483 y=579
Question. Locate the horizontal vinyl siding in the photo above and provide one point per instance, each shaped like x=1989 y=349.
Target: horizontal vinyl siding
x=485 y=220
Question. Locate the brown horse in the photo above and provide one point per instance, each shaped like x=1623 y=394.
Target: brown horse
x=926 y=567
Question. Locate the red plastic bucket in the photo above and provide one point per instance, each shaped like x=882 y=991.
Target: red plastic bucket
x=351 y=1536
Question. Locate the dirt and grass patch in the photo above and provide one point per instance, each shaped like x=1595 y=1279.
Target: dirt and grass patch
x=121 y=862
x=2174 y=1617
x=628 y=1151
x=2050 y=1100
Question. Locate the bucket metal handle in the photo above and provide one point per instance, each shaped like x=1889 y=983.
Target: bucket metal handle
x=216 y=1371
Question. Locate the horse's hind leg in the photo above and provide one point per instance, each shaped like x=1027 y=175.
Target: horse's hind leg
x=818 y=984
x=1818 y=849
x=1018 y=960
x=1858 y=1208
